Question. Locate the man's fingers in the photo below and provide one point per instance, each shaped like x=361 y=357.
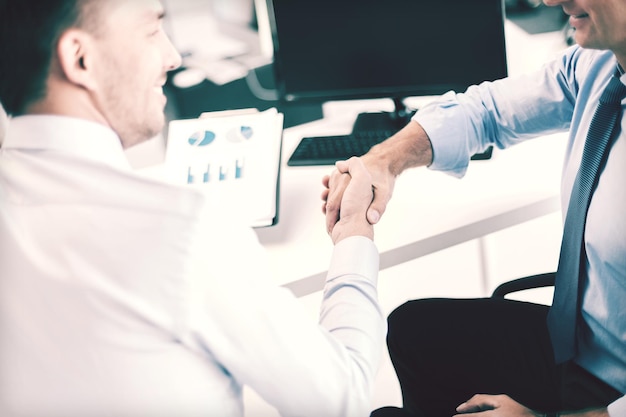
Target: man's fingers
x=326 y=181
x=337 y=185
x=378 y=206
x=324 y=197
x=479 y=402
x=373 y=215
x=353 y=166
x=343 y=166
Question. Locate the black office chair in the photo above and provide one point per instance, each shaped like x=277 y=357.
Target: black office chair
x=526 y=283
x=520 y=284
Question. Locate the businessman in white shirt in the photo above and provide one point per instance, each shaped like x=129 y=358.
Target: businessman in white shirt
x=124 y=296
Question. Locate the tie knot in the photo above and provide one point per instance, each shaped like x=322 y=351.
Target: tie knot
x=614 y=92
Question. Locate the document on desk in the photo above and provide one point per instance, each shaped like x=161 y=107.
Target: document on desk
x=234 y=157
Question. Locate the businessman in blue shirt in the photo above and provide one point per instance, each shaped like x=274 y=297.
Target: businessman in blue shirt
x=490 y=357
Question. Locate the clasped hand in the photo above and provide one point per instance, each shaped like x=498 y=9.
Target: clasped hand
x=350 y=205
x=337 y=184
x=483 y=405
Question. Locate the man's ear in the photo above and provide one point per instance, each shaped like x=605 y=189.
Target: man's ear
x=74 y=52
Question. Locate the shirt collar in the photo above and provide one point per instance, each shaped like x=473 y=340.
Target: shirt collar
x=69 y=135
x=621 y=74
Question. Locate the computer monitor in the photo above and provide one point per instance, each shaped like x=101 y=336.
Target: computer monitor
x=349 y=49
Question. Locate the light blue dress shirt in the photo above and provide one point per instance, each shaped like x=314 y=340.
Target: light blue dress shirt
x=561 y=95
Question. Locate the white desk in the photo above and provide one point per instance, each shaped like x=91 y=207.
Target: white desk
x=430 y=211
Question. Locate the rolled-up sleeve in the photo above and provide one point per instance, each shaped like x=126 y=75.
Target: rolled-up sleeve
x=499 y=113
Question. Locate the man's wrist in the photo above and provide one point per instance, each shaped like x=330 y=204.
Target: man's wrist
x=408 y=148
x=345 y=228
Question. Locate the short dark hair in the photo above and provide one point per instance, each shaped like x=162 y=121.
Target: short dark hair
x=29 y=33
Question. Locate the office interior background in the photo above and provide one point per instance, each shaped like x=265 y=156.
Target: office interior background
x=223 y=42
x=534 y=33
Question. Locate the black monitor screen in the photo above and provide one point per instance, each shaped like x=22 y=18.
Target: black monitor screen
x=343 y=49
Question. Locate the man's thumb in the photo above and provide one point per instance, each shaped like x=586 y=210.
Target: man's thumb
x=373 y=215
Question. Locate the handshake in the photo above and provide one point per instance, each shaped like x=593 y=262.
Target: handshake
x=347 y=197
x=357 y=192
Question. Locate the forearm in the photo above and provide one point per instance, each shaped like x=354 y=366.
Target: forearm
x=352 y=316
x=352 y=226
x=408 y=148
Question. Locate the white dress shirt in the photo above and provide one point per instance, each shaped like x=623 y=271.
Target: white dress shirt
x=562 y=95
x=124 y=296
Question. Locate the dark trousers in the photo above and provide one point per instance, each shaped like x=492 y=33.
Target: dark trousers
x=444 y=351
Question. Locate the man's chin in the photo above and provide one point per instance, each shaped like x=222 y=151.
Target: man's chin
x=129 y=141
x=584 y=40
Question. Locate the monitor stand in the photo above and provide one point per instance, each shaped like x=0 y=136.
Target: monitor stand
x=383 y=121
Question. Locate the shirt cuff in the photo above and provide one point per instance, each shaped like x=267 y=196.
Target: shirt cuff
x=355 y=255
x=618 y=408
x=447 y=131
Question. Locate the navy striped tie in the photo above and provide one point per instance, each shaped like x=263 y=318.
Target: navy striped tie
x=565 y=308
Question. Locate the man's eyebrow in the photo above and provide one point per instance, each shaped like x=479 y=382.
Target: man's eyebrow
x=152 y=17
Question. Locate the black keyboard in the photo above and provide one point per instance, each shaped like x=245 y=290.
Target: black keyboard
x=326 y=150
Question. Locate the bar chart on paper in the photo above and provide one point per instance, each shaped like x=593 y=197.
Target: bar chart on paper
x=235 y=159
x=226 y=164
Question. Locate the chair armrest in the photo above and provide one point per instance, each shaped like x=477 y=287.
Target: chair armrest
x=526 y=283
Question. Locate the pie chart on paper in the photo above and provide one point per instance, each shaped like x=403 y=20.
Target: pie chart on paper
x=201 y=138
x=240 y=134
